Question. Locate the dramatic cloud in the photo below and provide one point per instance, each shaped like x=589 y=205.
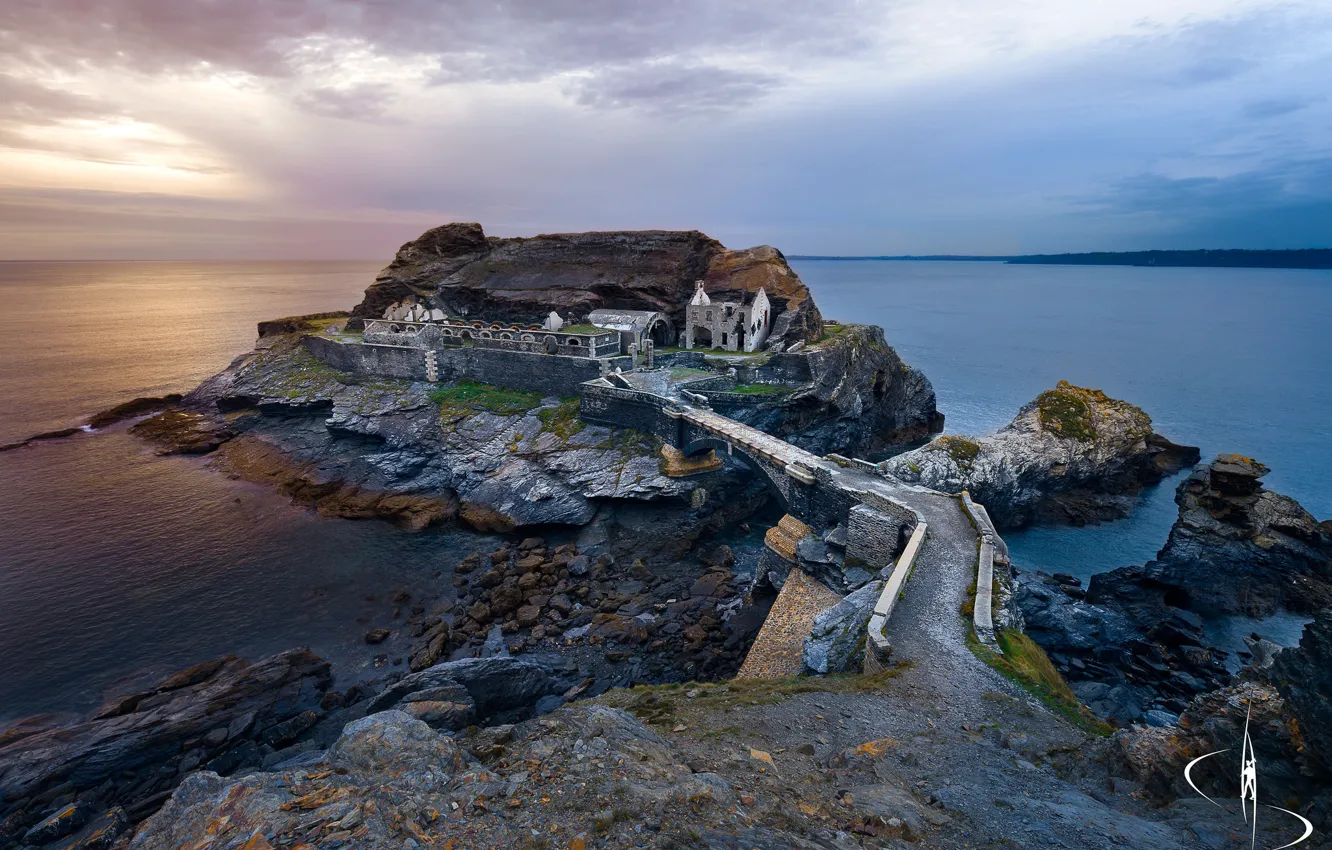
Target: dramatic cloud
x=277 y=127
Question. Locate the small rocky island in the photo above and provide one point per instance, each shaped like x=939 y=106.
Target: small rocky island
x=611 y=675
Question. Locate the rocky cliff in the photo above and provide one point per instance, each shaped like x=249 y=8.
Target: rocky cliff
x=457 y=267
x=1073 y=455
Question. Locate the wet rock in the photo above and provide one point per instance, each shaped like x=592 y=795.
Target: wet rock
x=378 y=635
x=146 y=734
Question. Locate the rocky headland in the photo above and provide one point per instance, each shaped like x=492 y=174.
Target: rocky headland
x=1072 y=455
x=572 y=687
x=505 y=460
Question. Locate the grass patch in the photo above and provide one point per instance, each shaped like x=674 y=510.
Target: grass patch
x=963 y=451
x=759 y=389
x=467 y=397
x=1026 y=663
x=1064 y=412
x=562 y=420
x=584 y=329
x=657 y=704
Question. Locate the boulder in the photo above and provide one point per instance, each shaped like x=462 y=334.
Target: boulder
x=839 y=632
x=493 y=685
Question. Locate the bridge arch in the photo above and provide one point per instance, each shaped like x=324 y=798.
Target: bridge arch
x=777 y=480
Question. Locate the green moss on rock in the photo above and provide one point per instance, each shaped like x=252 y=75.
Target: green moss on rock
x=466 y=397
x=963 y=451
x=1065 y=411
x=562 y=420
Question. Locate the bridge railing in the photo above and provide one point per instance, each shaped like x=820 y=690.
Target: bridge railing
x=877 y=647
x=982 y=618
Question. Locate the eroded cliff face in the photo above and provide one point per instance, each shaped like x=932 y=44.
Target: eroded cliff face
x=861 y=398
x=1073 y=455
x=457 y=267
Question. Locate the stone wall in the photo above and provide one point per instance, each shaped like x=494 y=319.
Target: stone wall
x=548 y=374
x=608 y=405
x=873 y=537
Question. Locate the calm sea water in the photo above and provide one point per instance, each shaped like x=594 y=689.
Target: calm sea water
x=116 y=563
x=1230 y=360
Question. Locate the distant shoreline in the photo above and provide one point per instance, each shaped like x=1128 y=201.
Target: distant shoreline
x=1308 y=258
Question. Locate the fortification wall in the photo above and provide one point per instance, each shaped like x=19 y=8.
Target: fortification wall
x=607 y=405
x=548 y=374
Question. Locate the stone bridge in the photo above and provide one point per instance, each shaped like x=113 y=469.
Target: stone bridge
x=820 y=494
x=848 y=524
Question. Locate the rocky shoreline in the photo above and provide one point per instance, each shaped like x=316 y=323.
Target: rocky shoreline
x=1133 y=644
x=573 y=686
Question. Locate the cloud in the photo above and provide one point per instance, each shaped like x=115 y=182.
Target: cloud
x=466 y=41
x=1280 y=205
x=853 y=126
x=363 y=101
x=669 y=87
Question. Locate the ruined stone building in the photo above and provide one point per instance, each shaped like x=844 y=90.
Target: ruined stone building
x=726 y=324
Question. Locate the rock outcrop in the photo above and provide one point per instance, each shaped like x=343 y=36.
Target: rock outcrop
x=1135 y=634
x=130 y=753
x=1303 y=674
x=1073 y=455
x=390 y=778
x=856 y=396
x=1239 y=548
x=1122 y=660
x=456 y=267
x=311 y=411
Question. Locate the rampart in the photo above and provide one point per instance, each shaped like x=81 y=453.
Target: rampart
x=548 y=374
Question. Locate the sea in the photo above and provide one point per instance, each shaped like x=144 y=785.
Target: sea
x=117 y=566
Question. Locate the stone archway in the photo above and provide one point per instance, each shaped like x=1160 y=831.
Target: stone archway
x=661 y=333
x=775 y=480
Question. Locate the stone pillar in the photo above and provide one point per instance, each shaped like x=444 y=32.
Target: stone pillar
x=651 y=348
x=633 y=355
x=872 y=537
x=432 y=366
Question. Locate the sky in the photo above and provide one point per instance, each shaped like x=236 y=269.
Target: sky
x=264 y=129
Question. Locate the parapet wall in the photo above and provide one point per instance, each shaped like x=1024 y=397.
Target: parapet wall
x=548 y=374
x=609 y=405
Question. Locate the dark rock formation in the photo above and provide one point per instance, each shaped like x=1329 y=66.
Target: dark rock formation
x=1121 y=659
x=1155 y=757
x=1240 y=548
x=132 y=408
x=856 y=396
x=1073 y=455
x=1304 y=676
x=457 y=267
x=136 y=748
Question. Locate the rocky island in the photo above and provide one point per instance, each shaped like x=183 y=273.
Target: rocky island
x=609 y=674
